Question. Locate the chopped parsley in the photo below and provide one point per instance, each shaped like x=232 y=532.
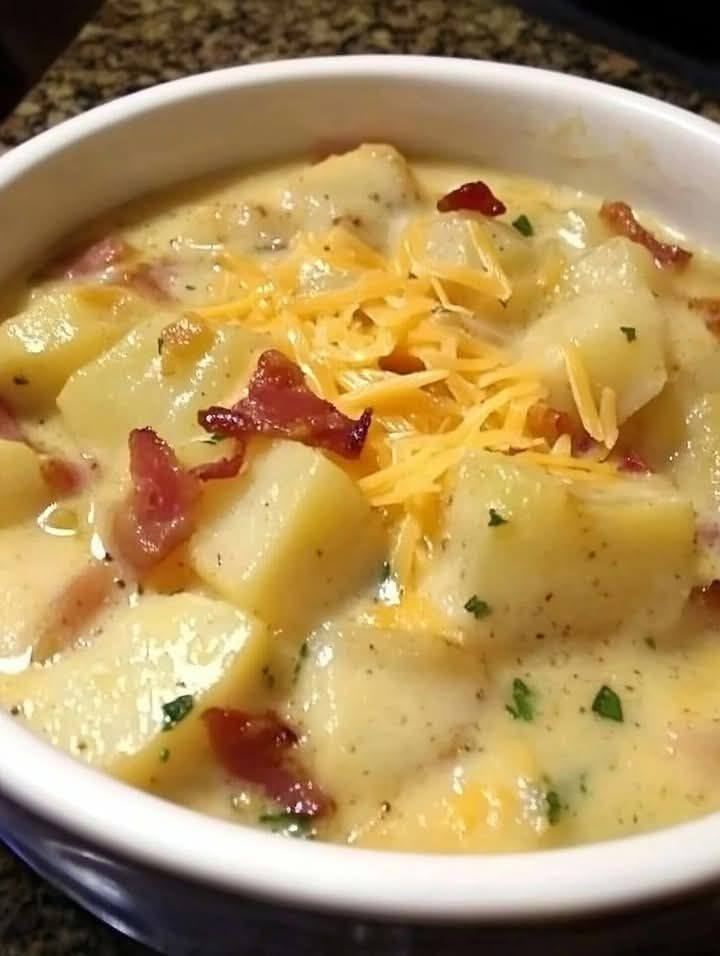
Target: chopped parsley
x=302 y=654
x=287 y=823
x=650 y=641
x=477 y=607
x=553 y=807
x=164 y=755
x=607 y=704
x=523 y=705
x=524 y=226
x=177 y=710
x=21 y=380
x=583 y=783
x=160 y=344
x=214 y=439
x=495 y=518
x=629 y=331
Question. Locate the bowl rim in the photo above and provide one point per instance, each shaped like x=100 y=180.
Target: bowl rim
x=415 y=886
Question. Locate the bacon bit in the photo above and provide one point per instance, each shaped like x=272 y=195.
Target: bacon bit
x=280 y=404
x=151 y=280
x=158 y=515
x=256 y=748
x=708 y=596
x=710 y=309
x=222 y=467
x=74 y=609
x=402 y=363
x=546 y=422
x=64 y=477
x=90 y=259
x=621 y=219
x=476 y=197
x=633 y=463
x=9 y=428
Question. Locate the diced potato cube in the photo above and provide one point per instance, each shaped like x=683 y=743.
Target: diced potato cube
x=129 y=386
x=375 y=706
x=288 y=538
x=617 y=263
x=59 y=331
x=361 y=190
x=104 y=701
x=620 y=335
x=697 y=468
x=570 y=559
x=35 y=568
x=23 y=490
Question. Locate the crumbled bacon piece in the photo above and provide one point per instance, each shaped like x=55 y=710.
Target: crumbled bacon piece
x=64 y=477
x=634 y=463
x=707 y=596
x=473 y=197
x=91 y=259
x=222 y=467
x=546 y=422
x=621 y=219
x=710 y=309
x=9 y=428
x=158 y=515
x=258 y=748
x=74 y=609
x=151 y=279
x=280 y=404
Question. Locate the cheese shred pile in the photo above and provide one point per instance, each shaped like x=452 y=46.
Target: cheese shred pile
x=391 y=334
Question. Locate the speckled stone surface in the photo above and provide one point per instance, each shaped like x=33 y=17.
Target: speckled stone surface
x=135 y=43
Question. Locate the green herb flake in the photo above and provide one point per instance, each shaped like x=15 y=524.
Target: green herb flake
x=524 y=226
x=214 y=439
x=523 y=705
x=553 y=807
x=302 y=655
x=607 y=704
x=160 y=344
x=582 y=785
x=477 y=607
x=287 y=823
x=650 y=641
x=177 y=710
x=164 y=755
x=495 y=518
x=629 y=331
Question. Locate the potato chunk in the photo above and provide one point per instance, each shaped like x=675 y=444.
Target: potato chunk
x=106 y=702
x=35 y=568
x=378 y=705
x=361 y=190
x=632 y=363
x=288 y=538
x=135 y=384
x=569 y=559
x=608 y=312
x=59 y=331
x=23 y=490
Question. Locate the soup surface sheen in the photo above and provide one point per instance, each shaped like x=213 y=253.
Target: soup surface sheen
x=347 y=503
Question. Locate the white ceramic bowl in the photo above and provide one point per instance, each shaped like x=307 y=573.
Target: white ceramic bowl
x=171 y=876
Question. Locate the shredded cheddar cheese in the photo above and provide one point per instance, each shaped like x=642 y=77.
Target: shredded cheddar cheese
x=340 y=308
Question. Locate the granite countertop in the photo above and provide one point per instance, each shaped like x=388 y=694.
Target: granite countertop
x=132 y=44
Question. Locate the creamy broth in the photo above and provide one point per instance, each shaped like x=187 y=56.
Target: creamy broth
x=466 y=603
